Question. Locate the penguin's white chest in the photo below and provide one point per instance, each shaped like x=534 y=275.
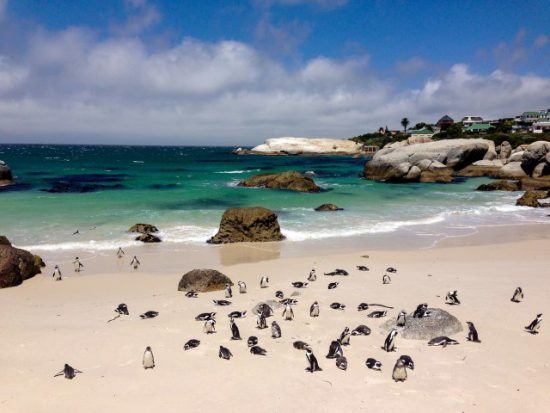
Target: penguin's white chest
x=148 y=360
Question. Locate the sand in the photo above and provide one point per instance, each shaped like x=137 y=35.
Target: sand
x=45 y=324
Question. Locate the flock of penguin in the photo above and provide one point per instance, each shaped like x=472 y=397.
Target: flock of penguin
x=264 y=311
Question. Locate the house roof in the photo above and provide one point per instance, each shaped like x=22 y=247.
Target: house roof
x=531 y=114
x=479 y=126
x=445 y=118
x=423 y=131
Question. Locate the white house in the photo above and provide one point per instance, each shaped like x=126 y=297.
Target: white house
x=471 y=119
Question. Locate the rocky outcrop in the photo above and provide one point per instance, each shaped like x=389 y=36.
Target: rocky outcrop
x=535 y=159
x=254 y=224
x=505 y=150
x=203 y=280
x=148 y=238
x=439 y=323
x=143 y=229
x=289 y=180
x=6 y=177
x=501 y=185
x=531 y=198
x=16 y=265
x=512 y=170
x=538 y=184
x=328 y=207
x=305 y=146
x=437 y=161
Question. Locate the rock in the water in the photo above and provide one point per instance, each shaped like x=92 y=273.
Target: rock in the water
x=148 y=238
x=253 y=224
x=4 y=240
x=531 y=198
x=289 y=180
x=6 y=177
x=534 y=155
x=16 y=265
x=203 y=280
x=542 y=184
x=143 y=229
x=439 y=323
x=305 y=146
x=501 y=185
x=512 y=170
x=328 y=207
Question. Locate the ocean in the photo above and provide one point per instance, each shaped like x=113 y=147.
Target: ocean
x=184 y=191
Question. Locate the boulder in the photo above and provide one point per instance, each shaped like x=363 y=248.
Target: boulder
x=6 y=177
x=16 y=265
x=328 y=207
x=289 y=180
x=516 y=157
x=203 y=280
x=275 y=305
x=538 y=184
x=442 y=176
x=512 y=170
x=253 y=224
x=542 y=169
x=143 y=229
x=439 y=323
x=414 y=173
x=505 y=151
x=307 y=146
x=534 y=155
x=473 y=171
x=531 y=199
x=501 y=185
x=148 y=238
x=4 y=240
x=495 y=162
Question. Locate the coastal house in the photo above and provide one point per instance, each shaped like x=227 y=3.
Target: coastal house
x=471 y=119
x=478 y=128
x=445 y=122
x=529 y=117
x=541 y=126
x=422 y=133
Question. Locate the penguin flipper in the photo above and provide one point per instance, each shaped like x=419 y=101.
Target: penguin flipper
x=62 y=372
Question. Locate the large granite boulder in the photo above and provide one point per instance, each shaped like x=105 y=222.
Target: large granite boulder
x=253 y=224
x=16 y=265
x=290 y=180
x=531 y=198
x=501 y=185
x=538 y=184
x=439 y=323
x=512 y=170
x=328 y=207
x=143 y=229
x=203 y=280
x=305 y=146
x=394 y=164
x=6 y=177
x=148 y=238
x=534 y=156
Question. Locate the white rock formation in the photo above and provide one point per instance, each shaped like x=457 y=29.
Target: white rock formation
x=307 y=146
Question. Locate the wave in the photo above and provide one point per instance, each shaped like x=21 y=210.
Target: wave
x=237 y=171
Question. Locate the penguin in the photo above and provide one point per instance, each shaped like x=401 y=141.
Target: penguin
x=228 y=291
x=534 y=327
x=209 y=326
x=288 y=313
x=135 y=263
x=443 y=341
x=334 y=350
x=242 y=287
x=148 y=358
x=235 y=334
x=122 y=309
x=312 y=360
x=361 y=330
x=407 y=361
x=389 y=343
x=399 y=371
x=299 y=284
x=205 y=316
x=362 y=268
x=261 y=323
x=312 y=275
x=338 y=306
x=279 y=294
x=401 y=318
x=266 y=310
x=362 y=307
x=314 y=309
x=373 y=364
x=77 y=265
x=337 y=271
x=224 y=353
x=391 y=269
x=452 y=298
x=57 y=274
x=237 y=314
x=518 y=295
x=300 y=345
x=68 y=371
x=222 y=302
x=149 y=314
x=193 y=343
x=345 y=337
x=472 y=333
x=120 y=253
x=275 y=330
x=332 y=286
x=377 y=314
x=264 y=282
x=289 y=301
x=191 y=294
x=421 y=311
x=258 y=351
x=252 y=341
x=386 y=279
x=342 y=363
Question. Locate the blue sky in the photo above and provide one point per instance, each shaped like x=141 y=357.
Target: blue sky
x=134 y=71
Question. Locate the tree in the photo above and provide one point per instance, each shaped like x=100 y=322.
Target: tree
x=405 y=123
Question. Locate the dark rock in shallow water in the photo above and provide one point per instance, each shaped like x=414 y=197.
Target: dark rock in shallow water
x=6 y=177
x=203 y=280
x=148 y=238
x=82 y=183
x=439 y=323
x=542 y=184
x=16 y=186
x=289 y=180
x=328 y=207
x=163 y=186
x=500 y=186
x=16 y=265
x=143 y=228
x=531 y=199
x=254 y=224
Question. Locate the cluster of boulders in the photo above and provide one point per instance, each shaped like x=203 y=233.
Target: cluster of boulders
x=146 y=232
x=328 y=208
x=289 y=180
x=303 y=146
x=6 y=177
x=203 y=280
x=16 y=265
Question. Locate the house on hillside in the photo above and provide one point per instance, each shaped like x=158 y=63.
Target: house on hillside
x=529 y=117
x=471 y=119
x=422 y=133
x=478 y=128
x=444 y=122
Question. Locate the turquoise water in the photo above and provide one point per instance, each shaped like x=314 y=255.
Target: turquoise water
x=184 y=191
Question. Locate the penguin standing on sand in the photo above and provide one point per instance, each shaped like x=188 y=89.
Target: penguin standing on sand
x=312 y=275
x=228 y=291
x=57 y=274
x=389 y=343
x=472 y=333
x=401 y=318
x=312 y=360
x=210 y=326
x=120 y=252
x=264 y=282
x=135 y=263
x=242 y=287
x=452 y=298
x=288 y=313
x=235 y=334
x=334 y=350
x=68 y=371
x=275 y=330
x=77 y=265
x=148 y=358
x=262 y=323
x=518 y=295
x=342 y=362
x=399 y=371
x=314 y=309
x=224 y=353
x=534 y=327
x=386 y=279
x=345 y=337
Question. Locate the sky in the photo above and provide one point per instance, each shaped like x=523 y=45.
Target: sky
x=237 y=72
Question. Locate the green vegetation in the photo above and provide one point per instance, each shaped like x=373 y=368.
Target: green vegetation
x=379 y=139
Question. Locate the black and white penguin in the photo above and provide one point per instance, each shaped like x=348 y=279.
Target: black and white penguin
x=205 y=316
x=334 y=350
x=228 y=291
x=337 y=271
x=288 y=301
x=135 y=263
x=386 y=279
x=258 y=351
x=342 y=362
x=407 y=361
x=443 y=341
x=534 y=327
x=377 y=314
x=242 y=287
x=518 y=295
x=361 y=330
x=148 y=358
x=421 y=311
x=472 y=333
x=288 y=313
x=275 y=330
x=373 y=364
x=191 y=294
x=452 y=298
x=193 y=343
x=312 y=275
x=314 y=309
x=122 y=309
x=222 y=303
x=120 y=253
x=389 y=343
x=252 y=341
x=262 y=322
x=68 y=371
x=391 y=269
x=338 y=306
x=237 y=314
x=312 y=361
x=401 y=318
x=332 y=286
x=399 y=371
x=362 y=268
x=362 y=307
x=149 y=314
x=77 y=265
x=224 y=353
x=279 y=294
x=57 y=274
x=235 y=334
x=266 y=310
x=299 y=284
x=209 y=326
x=264 y=282
x=300 y=345
x=345 y=337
